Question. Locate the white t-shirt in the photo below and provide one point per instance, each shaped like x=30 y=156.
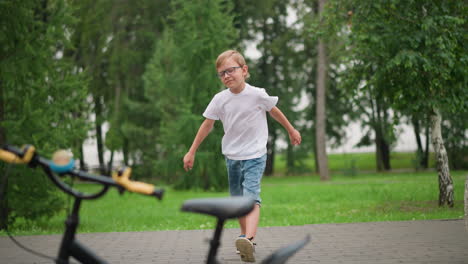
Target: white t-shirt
x=244 y=120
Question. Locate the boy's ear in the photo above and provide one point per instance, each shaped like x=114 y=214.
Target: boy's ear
x=245 y=70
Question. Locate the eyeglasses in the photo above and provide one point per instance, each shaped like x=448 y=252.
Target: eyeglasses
x=228 y=71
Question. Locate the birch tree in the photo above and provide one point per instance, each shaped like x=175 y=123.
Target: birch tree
x=417 y=52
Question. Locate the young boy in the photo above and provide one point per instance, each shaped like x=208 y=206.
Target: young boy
x=242 y=110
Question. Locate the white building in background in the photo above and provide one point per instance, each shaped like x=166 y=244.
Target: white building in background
x=406 y=141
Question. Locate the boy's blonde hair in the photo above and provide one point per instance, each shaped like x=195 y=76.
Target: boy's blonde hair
x=235 y=55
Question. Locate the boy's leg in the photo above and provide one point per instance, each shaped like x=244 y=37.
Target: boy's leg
x=251 y=222
x=252 y=172
x=242 y=224
x=236 y=178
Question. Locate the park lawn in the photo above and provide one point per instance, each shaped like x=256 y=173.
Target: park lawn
x=292 y=200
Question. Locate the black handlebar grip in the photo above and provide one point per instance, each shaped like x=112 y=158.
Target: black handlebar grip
x=159 y=193
x=18 y=152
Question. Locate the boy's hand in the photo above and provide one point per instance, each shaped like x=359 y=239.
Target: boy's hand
x=295 y=137
x=189 y=159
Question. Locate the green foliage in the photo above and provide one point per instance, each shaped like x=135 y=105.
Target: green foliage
x=31 y=195
x=136 y=26
x=114 y=43
x=114 y=138
x=415 y=50
x=43 y=96
x=180 y=81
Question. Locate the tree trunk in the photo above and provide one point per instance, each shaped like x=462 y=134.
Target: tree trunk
x=109 y=166
x=98 y=122
x=420 y=150
x=382 y=146
x=3 y=183
x=381 y=141
x=2 y=115
x=386 y=140
x=384 y=154
x=270 y=162
x=425 y=161
x=417 y=132
x=314 y=149
x=320 y=118
x=466 y=203
x=82 y=162
x=316 y=160
x=375 y=119
x=385 y=148
x=445 y=180
x=290 y=159
x=378 y=150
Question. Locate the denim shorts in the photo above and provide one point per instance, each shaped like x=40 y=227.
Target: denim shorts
x=245 y=176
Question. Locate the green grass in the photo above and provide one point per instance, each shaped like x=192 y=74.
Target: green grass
x=361 y=162
x=293 y=200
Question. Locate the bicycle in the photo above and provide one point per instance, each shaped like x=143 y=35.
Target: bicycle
x=60 y=166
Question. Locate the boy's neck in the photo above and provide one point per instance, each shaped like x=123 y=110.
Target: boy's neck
x=239 y=89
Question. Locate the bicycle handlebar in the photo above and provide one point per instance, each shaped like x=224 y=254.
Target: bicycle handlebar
x=11 y=154
x=121 y=180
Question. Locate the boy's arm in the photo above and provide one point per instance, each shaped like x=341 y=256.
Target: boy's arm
x=294 y=135
x=203 y=131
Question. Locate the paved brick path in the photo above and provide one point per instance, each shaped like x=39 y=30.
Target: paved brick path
x=437 y=241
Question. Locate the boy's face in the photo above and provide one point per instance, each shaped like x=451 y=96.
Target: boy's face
x=232 y=74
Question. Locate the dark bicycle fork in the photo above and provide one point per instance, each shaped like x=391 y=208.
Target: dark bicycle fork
x=70 y=247
x=214 y=243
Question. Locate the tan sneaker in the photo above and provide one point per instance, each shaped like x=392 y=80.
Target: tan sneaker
x=246 y=249
x=237 y=250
